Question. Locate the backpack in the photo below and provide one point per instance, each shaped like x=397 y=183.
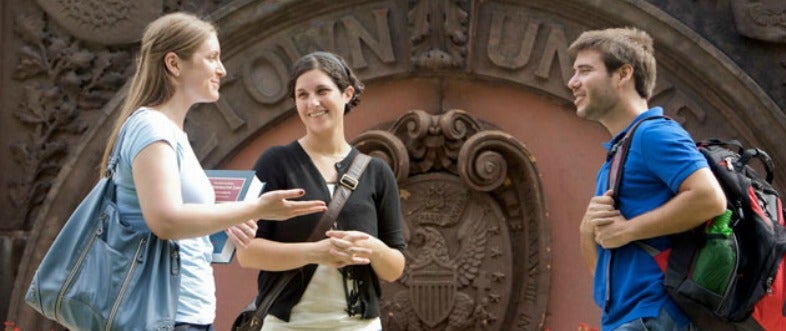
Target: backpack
x=744 y=263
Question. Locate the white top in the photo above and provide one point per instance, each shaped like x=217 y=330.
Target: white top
x=323 y=306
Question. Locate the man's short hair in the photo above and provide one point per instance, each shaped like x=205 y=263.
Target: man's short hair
x=619 y=46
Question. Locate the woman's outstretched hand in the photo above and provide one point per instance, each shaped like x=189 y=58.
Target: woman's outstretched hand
x=275 y=205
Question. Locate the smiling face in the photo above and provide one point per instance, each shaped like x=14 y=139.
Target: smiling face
x=319 y=102
x=201 y=75
x=594 y=92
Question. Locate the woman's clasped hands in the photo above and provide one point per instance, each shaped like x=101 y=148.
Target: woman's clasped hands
x=343 y=248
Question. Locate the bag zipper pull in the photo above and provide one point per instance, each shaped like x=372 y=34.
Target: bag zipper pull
x=769 y=285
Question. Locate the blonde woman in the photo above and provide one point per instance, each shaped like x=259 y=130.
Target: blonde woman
x=161 y=187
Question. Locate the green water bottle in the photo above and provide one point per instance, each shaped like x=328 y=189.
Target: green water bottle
x=717 y=259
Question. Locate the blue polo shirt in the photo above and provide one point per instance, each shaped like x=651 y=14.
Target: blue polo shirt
x=628 y=284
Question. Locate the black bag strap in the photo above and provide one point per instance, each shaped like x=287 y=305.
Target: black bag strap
x=765 y=159
x=618 y=154
x=745 y=155
x=348 y=182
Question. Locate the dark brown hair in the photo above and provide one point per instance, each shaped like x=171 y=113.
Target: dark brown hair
x=332 y=65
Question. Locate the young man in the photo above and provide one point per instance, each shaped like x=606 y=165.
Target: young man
x=667 y=186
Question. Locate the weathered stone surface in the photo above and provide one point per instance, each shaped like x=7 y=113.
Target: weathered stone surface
x=62 y=87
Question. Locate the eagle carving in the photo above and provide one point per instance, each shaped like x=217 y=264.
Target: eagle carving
x=438 y=274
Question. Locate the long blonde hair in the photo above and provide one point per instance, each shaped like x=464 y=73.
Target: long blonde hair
x=152 y=84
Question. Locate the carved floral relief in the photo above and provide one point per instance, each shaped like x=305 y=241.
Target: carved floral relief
x=439 y=33
x=63 y=81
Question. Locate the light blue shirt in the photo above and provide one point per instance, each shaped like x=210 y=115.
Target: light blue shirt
x=197 y=300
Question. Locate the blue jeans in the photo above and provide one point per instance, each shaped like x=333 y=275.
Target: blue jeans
x=663 y=322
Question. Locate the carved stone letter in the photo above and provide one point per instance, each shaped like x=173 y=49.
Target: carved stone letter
x=556 y=46
x=382 y=46
x=518 y=52
x=265 y=77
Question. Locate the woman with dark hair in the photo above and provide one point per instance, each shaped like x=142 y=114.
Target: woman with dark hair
x=337 y=287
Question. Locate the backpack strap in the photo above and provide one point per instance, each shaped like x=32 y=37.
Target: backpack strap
x=619 y=154
x=762 y=156
x=745 y=155
x=727 y=143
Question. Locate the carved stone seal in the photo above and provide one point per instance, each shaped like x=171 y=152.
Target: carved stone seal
x=104 y=22
x=761 y=19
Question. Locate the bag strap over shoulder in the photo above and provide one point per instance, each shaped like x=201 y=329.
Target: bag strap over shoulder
x=619 y=154
x=114 y=157
x=348 y=183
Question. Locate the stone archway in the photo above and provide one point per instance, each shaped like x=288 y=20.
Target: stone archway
x=515 y=43
x=475 y=224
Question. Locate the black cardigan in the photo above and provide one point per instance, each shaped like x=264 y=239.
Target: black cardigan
x=373 y=208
